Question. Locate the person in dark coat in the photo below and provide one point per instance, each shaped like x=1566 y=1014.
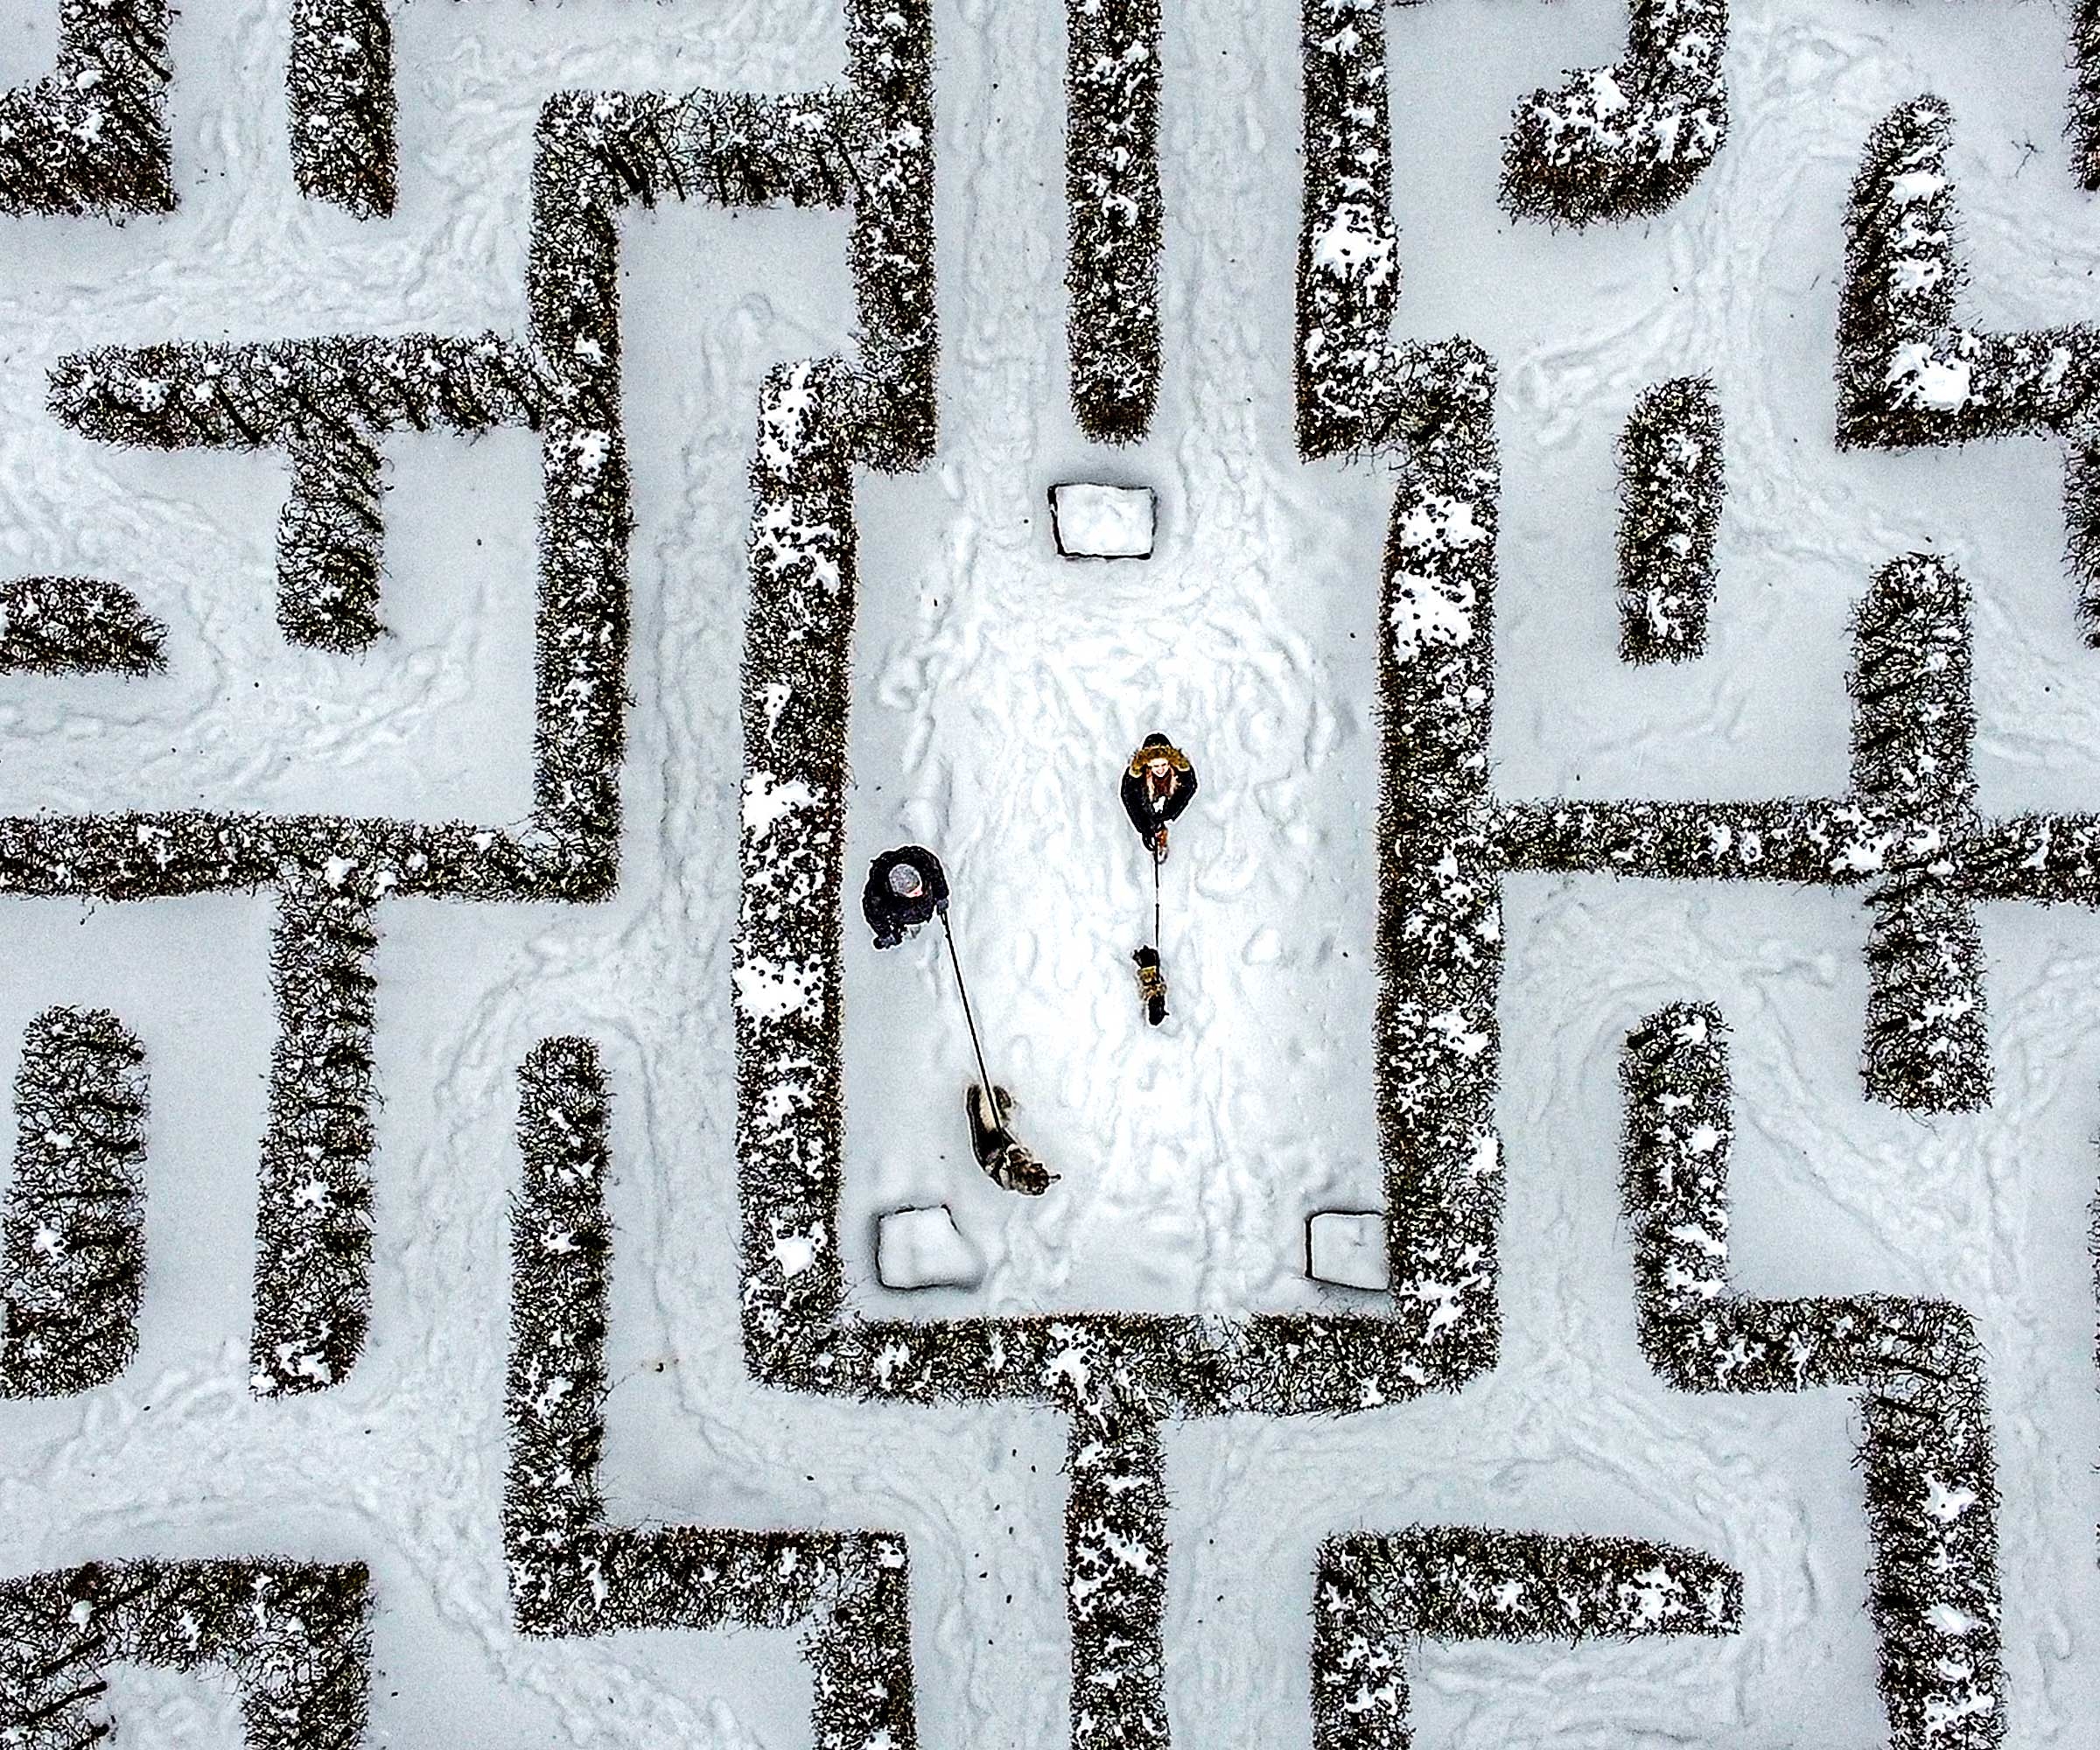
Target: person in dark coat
x=1157 y=785
x=906 y=888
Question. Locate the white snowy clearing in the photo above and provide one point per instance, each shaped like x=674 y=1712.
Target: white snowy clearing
x=997 y=689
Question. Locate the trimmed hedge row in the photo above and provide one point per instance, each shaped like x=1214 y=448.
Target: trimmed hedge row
x=73 y=1237
x=331 y=539
x=1930 y=1476
x=1112 y=197
x=1348 y=256
x=1910 y=373
x=92 y=136
x=293 y=1636
x=1620 y=142
x=1671 y=483
x=340 y=86
x=1116 y=1556
x=1439 y=874
x=1913 y=727
x=313 y=1211
x=76 y=625
x=1377 y=1597
x=570 y=1574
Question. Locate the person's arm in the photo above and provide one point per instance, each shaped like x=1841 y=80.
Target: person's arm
x=936 y=883
x=1133 y=804
x=1185 y=791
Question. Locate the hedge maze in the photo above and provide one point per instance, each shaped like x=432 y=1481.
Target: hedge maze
x=325 y=402
x=1926 y=1456
x=1907 y=837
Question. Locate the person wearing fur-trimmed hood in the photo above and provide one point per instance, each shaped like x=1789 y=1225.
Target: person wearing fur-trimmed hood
x=1157 y=784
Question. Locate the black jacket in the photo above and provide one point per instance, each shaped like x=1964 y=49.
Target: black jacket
x=1148 y=815
x=890 y=915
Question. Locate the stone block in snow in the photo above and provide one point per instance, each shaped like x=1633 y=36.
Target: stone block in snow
x=1346 y=1247
x=1103 y=522
x=923 y=1249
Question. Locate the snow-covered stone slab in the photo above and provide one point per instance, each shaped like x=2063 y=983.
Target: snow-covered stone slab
x=924 y=1249
x=1346 y=1247
x=1103 y=522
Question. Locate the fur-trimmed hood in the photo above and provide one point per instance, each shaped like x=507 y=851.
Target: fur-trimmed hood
x=1157 y=747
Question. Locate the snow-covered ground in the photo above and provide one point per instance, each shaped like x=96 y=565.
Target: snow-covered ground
x=998 y=688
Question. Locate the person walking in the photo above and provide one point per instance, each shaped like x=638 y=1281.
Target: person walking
x=907 y=889
x=1158 y=783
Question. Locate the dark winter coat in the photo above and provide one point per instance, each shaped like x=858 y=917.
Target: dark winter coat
x=893 y=915
x=1149 y=807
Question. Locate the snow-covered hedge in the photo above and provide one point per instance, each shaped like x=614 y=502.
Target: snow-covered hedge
x=1790 y=838
x=1439 y=892
x=1913 y=727
x=1115 y=1555
x=572 y=1574
x=1910 y=372
x=93 y=135
x=207 y=395
x=76 y=625
x=331 y=537
x=561 y=1245
x=787 y=958
x=1620 y=142
x=292 y=1635
x=72 y=1246
x=1377 y=1598
x=1931 y=1487
x=313 y=1213
x=1112 y=191
x=2083 y=126
x=1670 y=486
x=340 y=86
x=890 y=55
x=1348 y=257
